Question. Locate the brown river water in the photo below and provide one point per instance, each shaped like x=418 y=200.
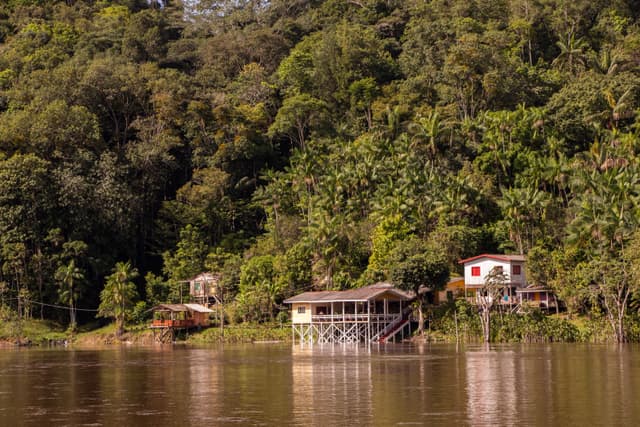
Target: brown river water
x=282 y=384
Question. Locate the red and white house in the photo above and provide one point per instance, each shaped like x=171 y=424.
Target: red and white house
x=516 y=291
x=478 y=267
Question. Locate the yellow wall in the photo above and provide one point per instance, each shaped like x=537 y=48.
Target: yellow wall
x=456 y=286
x=301 y=317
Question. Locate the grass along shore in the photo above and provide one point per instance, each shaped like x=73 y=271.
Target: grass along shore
x=43 y=333
x=444 y=327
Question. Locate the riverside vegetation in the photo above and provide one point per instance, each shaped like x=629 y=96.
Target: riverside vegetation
x=318 y=144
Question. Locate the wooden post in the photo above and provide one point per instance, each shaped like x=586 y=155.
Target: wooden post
x=455 y=319
x=368 y=322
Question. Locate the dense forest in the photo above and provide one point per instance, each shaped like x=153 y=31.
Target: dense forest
x=315 y=144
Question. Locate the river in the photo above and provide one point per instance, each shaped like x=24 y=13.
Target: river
x=279 y=384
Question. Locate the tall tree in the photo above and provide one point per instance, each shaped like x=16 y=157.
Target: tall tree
x=419 y=269
x=488 y=295
x=69 y=278
x=118 y=295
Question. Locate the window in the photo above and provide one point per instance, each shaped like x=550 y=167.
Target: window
x=301 y=309
x=515 y=270
x=475 y=271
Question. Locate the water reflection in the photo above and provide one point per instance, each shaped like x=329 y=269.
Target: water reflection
x=323 y=385
x=491 y=381
x=331 y=382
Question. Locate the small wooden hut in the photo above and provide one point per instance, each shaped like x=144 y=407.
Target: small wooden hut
x=167 y=318
x=203 y=288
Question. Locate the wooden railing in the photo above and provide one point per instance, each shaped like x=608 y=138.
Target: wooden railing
x=478 y=299
x=399 y=320
x=167 y=323
x=350 y=317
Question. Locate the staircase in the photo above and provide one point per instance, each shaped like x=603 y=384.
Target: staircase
x=393 y=331
x=394 y=327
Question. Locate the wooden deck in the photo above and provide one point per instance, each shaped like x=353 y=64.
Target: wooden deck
x=178 y=324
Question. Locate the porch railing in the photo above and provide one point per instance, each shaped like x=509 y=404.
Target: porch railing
x=351 y=317
x=167 y=323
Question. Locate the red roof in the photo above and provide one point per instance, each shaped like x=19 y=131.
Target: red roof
x=498 y=257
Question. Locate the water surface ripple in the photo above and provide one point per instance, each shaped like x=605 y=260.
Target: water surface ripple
x=277 y=384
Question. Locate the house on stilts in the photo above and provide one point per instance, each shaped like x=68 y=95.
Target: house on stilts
x=203 y=288
x=376 y=313
x=171 y=318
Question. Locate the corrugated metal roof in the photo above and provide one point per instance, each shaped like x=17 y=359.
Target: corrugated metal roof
x=498 y=257
x=170 y=307
x=182 y=307
x=204 y=277
x=199 y=308
x=359 y=294
x=533 y=288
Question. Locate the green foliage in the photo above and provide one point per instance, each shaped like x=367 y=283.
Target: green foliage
x=387 y=234
x=530 y=326
x=70 y=277
x=186 y=262
x=118 y=296
x=259 y=289
x=414 y=265
x=156 y=290
x=246 y=333
x=297 y=114
x=141 y=312
x=321 y=135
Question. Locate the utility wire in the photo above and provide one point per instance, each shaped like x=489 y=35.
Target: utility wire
x=61 y=307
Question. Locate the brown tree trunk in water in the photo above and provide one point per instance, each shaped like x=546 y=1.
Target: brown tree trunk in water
x=420 y=317
x=221 y=311
x=485 y=320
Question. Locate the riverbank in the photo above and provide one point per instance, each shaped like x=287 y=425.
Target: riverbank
x=243 y=333
x=442 y=327
x=460 y=323
x=34 y=332
x=30 y=332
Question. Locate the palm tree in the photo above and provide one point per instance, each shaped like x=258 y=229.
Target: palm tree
x=118 y=294
x=523 y=209
x=572 y=54
x=68 y=277
x=426 y=130
x=608 y=62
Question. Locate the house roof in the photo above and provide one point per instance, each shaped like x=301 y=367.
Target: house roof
x=498 y=257
x=182 y=308
x=199 y=308
x=205 y=276
x=366 y=293
x=532 y=289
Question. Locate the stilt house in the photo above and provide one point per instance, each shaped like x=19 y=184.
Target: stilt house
x=203 y=288
x=374 y=313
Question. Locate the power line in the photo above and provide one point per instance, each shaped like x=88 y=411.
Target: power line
x=61 y=307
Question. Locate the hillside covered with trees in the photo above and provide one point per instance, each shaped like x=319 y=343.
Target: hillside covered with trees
x=315 y=144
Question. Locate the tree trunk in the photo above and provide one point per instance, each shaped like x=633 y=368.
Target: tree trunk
x=221 y=312
x=420 y=317
x=485 y=320
x=72 y=315
x=119 y=327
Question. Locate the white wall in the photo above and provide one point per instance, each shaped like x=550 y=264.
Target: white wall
x=300 y=317
x=486 y=265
